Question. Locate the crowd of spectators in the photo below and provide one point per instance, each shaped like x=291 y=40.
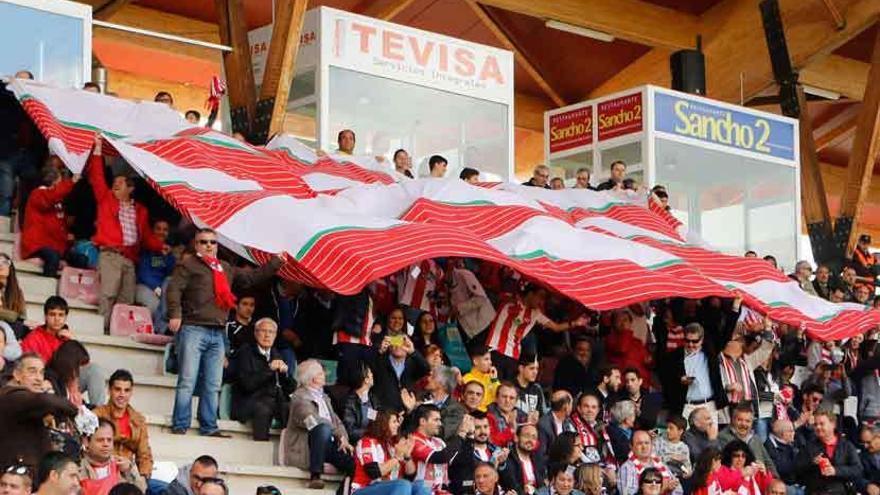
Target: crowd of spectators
x=451 y=376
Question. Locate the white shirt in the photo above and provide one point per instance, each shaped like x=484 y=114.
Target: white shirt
x=697 y=366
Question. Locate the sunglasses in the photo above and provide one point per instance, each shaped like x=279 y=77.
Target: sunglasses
x=693 y=341
x=652 y=481
x=18 y=469
x=205 y=242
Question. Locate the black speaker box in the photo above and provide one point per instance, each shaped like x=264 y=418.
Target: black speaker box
x=688 y=71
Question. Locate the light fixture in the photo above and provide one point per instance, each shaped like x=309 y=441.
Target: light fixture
x=578 y=30
x=821 y=93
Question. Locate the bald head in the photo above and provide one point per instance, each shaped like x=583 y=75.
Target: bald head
x=777 y=487
x=641 y=444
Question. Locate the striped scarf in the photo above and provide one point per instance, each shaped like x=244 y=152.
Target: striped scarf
x=728 y=369
x=584 y=430
x=675 y=338
x=654 y=462
x=825 y=356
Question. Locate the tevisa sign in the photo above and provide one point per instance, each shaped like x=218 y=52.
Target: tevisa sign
x=724 y=126
x=399 y=52
x=571 y=129
x=620 y=116
x=260 y=38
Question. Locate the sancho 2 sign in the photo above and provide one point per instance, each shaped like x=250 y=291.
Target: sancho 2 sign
x=724 y=126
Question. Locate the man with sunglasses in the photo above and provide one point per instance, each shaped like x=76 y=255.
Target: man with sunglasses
x=122 y=227
x=199 y=299
x=16 y=480
x=699 y=375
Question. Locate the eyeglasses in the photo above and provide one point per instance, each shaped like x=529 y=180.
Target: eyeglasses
x=205 y=242
x=652 y=481
x=693 y=341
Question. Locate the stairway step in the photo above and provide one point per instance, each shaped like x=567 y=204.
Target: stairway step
x=230 y=450
x=162 y=423
x=82 y=321
x=154 y=394
x=112 y=353
x=37 y=286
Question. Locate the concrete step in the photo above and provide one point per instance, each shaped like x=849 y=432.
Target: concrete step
x=83 y=318
x=245 y=478
x=160 y=423
x=112 y=353
x=230 y=450
x=37 y=286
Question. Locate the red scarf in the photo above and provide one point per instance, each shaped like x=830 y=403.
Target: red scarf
x=654 y=462
x=588 y=435
x=223 y=296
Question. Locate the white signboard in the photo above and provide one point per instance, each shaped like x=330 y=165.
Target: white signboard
x=420 y=57
x=260 y=38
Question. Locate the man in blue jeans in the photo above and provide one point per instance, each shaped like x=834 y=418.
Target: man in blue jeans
x=199 y=298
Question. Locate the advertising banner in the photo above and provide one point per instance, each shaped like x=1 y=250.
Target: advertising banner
x=620 y=116
x=724 y=126
x=398 y=52
x=571 y=129
x=260 y=38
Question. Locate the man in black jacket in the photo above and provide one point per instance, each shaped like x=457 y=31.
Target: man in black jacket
x=23 y=405
x=556 y=421
x=475 y=450
x=524 y=471
x=396 y=367
x=699 y=375
x=575 y=372
x=262 y=390
x=782 y=449
x=870 y=456
x=831 y=463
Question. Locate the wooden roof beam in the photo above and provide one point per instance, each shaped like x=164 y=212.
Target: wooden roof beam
x=382 y=9
x=734 y=46
x=110 y=7
x=837 y=129
x=237 y=63
x=529 y=111
x=632 y=20
x=497 y=29
x=860 y=169
x=281 y=62
x=844 y=76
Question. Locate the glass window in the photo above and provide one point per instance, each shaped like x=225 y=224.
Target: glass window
x=735 y=203
x=387 y=115
x=49 y=45
x=568 y=166
x=630 y=154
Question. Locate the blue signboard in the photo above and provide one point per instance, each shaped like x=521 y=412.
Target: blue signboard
x=723 y=126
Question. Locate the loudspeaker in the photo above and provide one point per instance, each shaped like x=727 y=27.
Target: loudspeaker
x=783 y=73
x=688 y=71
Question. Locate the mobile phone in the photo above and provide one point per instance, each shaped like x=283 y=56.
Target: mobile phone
x=396 y=340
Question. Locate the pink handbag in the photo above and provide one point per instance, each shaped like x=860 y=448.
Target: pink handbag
x=128 y=320
x=79 y=284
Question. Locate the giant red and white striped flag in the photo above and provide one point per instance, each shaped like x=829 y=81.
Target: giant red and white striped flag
x=341 y=224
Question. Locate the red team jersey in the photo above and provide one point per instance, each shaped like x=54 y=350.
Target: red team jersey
x=512 y=323
x=369 y=450
x=433 y=475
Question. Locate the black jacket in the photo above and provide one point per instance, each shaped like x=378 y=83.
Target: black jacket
x=21 y=421
x=256 y=382
x=387 y=386
x=679 y=397
x=846 y=463
x=461 y=469
x=547 y=432
x=620 y=442
x=512 y=475
x=871 y=468
x=784 y=458
x=353 y=415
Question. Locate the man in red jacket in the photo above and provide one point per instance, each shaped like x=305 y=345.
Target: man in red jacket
x=45 y=233
x=122 y=229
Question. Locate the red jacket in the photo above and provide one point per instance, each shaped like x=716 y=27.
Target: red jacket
x=108 y=230
x=46 y=225
x=42 y=342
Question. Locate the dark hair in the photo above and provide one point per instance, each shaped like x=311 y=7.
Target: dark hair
x=478 y=350
x=162 y=94
x=102 y=422
x=55 y=302
x=120 y=375
x=561 y=448
x=49 y=174
x=378 y=428
x=125 y=489
x=646 y=473
x=205 y=230
x=812 y=388
x=206 y=460
x=401 y=150
x=560 y=402
x=477 y=414
x=30 y=75
x=607 y=370
x=632 y=370
x=527 y=358
x=703 y=466
x=94 y=85
x=53 y=461
x=523 y=426
x=615 y=162
x=467 y=172
x=733 y=447
x=193 y=112
x=678 y=421
x=268 y=490
x=556 y=468
x=750 y=252
x=359 y=376
x=423 y=411
x=434 y=160
x=66 y=361
x=13 y=297
x=340 y=133
x=129 y=180
x=742 y=407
